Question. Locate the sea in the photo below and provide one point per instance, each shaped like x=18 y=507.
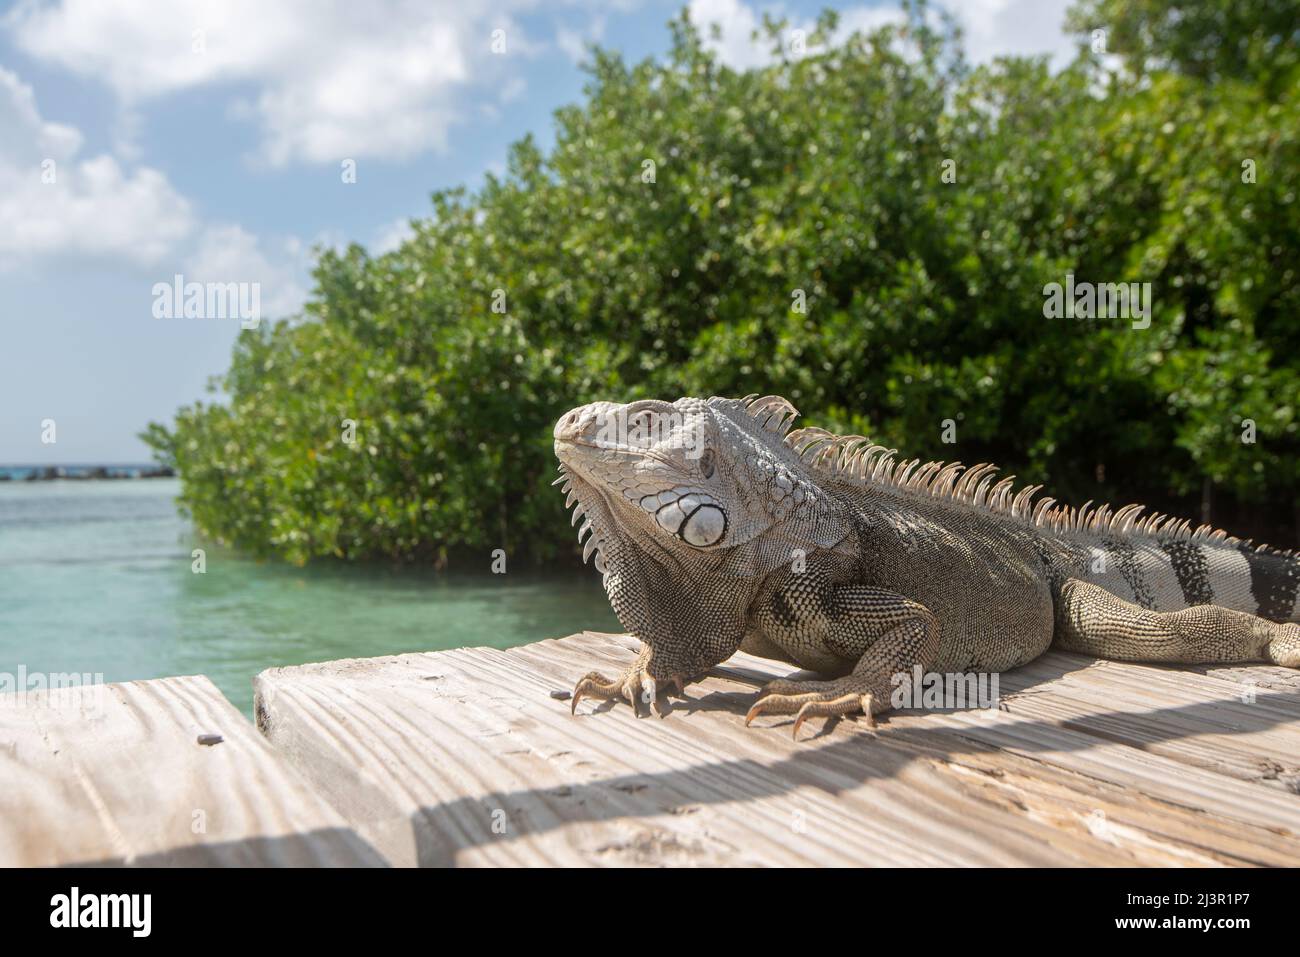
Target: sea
x=98 y=577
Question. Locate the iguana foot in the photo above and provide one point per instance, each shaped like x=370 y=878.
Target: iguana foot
x=816 y=699
x=636 y=683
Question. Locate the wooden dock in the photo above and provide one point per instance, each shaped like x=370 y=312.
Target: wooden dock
x=466 y=758
x=116 y=775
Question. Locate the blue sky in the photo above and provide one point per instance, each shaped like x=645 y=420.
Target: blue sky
x=207 y=137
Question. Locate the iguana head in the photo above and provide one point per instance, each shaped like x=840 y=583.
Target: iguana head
x=680 y=499
x=690 y=478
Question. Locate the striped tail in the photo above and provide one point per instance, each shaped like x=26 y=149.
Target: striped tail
x=1169 y=573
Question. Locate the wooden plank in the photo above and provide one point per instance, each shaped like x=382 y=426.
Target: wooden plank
x=1240 y=724
x=463 y=757
x=1271 y=677
x=115 y=774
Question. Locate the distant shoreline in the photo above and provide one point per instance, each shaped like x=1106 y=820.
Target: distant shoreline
x=82 y=473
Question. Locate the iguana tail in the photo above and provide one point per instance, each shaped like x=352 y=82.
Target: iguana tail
x=1171 y=572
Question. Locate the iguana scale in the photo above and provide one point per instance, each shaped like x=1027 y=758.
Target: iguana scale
x=718 y=529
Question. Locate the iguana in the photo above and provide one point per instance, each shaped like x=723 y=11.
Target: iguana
x=716 y=528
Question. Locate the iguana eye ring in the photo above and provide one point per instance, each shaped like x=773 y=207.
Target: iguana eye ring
x=706 y=464
x=704 y=527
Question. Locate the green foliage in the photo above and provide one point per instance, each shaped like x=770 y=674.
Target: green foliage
x=1253 y=40
x=820 y=174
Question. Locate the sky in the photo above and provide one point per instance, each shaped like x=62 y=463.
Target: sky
x=224 y=140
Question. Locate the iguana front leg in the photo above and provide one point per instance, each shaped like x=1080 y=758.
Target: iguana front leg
x=873 y=633
x=683 y=633
x=638 y=681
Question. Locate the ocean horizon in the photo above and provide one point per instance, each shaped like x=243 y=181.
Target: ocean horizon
x=84 y=471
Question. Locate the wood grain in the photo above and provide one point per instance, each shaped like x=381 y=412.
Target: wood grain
x=115 y=774
x=463 y=757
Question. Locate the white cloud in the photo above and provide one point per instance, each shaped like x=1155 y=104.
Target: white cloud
x=391 y=235
x=573 y=43
x=1015 y=27
x=512 y=89
x=54 y=202
x=866 y=19
x=35 y=137
x=97 y=209
x=227 y=253
x=992 y=28
x=735 y=22
x=331 y=79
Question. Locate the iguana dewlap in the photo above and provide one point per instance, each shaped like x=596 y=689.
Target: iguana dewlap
x=718 y=529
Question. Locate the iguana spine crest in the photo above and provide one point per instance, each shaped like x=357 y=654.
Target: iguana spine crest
x=857 y=458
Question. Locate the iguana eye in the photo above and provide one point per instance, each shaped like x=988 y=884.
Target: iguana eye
x=706 y=463
x=705 y=527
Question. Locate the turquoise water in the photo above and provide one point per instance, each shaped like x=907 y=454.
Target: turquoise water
x=95 y=577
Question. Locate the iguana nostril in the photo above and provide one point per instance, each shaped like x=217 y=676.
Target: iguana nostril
x=566 y=425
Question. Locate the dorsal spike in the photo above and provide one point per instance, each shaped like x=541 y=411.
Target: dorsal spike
x=854 y=458
x=943 y=482
x=998 y=494
x=847 y=450
x=869 y=457
x=1022 y=499
x=1134 y=516
x=922 y=477
x=799 y=437
x=884 y=466
x=971 y=475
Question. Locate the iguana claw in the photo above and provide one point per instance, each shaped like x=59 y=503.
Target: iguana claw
x=633 y=685
x=595 y=685
x=828 y=703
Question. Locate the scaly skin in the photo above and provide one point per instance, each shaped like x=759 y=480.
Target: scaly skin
x=717 y=529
